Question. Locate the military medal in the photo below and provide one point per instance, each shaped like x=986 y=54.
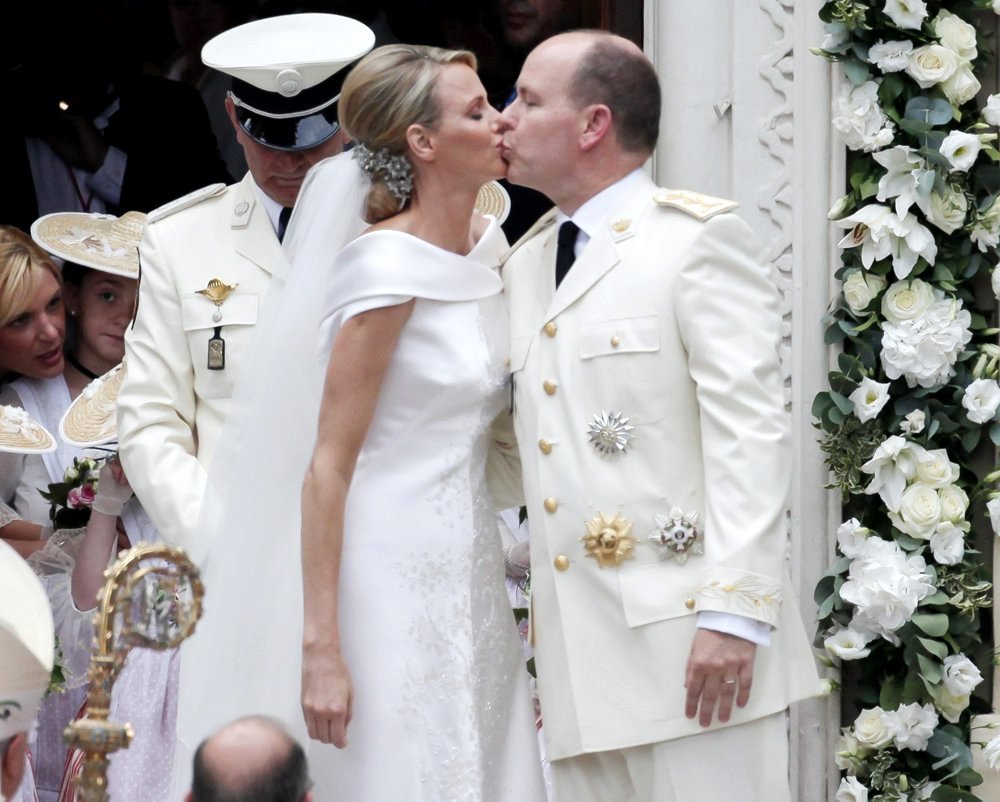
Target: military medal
x=677 y=535
x=609 y=540
x=610 y=433
x=217 y=292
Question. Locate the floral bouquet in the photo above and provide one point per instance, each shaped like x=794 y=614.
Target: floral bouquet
x=911 y=412
x=70 y=500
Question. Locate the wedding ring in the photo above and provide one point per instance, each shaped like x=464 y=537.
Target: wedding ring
x=729 y=682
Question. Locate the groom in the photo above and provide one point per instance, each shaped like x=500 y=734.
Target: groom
x=655 y=447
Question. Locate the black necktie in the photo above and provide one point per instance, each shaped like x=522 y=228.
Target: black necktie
x=283 y=215
x=564 y=253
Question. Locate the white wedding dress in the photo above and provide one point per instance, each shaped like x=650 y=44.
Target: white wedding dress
x=441 y=710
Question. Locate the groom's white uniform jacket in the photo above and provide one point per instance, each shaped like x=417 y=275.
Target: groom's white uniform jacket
x=172 y=408
x=669 y=319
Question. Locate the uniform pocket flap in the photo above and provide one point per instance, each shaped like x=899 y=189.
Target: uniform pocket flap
x=239 y=309
x=655 y=592
x=620 y=336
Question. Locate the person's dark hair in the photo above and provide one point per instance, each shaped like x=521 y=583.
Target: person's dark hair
x=624 y=80
x=284 y=780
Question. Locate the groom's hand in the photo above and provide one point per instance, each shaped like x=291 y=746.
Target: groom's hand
x=327 y=696
x=719 y=669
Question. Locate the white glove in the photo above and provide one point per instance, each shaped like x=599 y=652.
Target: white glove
x=113 y=489
x=517 y=560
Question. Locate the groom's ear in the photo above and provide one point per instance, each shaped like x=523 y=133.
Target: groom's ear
x=421 y=143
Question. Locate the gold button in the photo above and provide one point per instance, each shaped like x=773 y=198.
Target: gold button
x=550 y=328
x=561 y=562
x=549 y=388
x=615 y=341
x=550 y=504
x=545 y=446
x=689 y=604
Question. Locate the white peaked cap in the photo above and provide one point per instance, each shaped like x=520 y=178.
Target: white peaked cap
x=27 y=643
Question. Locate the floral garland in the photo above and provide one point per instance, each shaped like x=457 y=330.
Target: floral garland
x=915 y=395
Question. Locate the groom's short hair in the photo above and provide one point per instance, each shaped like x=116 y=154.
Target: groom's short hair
x=252 y=759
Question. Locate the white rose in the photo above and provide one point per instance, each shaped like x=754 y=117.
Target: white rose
x=934 y=468
x=848 y=644
x=906 y=300
x=948 y=544
x=851 y=790
x=851 y=536
x=914 y=422
x=991 y=752
x=961 y=86
x=906 y=13
x=919 y=512
x=890 y=56
x=991 y=113
x=993 y=508
x=981 y=400
x=947 y=210
x=932 y=64
x=961 y=150
x=860 y=289
x=848 y=752
x=961 y=676
x=954 y=503
x=952 y=705
x=871 y=728
x=912 y=726
x=956 y=33
x=869 y=397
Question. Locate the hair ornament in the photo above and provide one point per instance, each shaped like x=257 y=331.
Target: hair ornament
x=394 y=169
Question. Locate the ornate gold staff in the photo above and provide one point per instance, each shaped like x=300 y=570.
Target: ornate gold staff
x=150 y=599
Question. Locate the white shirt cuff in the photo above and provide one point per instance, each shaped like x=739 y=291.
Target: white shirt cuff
x=106 y=183
x=742 y=627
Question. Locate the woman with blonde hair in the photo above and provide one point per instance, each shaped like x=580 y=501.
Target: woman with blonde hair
x=385 y=619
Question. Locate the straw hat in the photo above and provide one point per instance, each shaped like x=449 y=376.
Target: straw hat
x=493 y=199
x=91 y=420
x=101 y=241
x=19 y=434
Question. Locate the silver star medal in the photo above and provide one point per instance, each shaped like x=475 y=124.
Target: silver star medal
x=610 y=433
x=677 y=535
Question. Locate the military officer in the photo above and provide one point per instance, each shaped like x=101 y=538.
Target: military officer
x=648 y=408
x=208 y=258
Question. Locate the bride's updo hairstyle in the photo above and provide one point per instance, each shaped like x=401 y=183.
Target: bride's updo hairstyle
x=390 y=89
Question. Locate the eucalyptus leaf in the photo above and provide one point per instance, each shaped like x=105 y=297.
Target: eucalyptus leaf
x=930 y=670
x=855 y=70
x=933 y=624
x=935 y=647
x=935 y=111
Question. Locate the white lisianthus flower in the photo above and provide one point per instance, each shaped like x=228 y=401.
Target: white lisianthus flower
x=848 y=752
x=986 y=230
x=839 y=207
x=932 y=64
x=948 y=544
x=869 y=397
x=858 y=116
x=952 y=705
x=991 y=112
x=914 y=422
x=907 y=300
x=851 y=536
x=981 y=400
x=860 y=289
x=961 y=86
x=881 y=233
x=919 y=511
x=924 y=351
x=961 y=150
x=954 y=504
x=961 y=675
x=993 y=508
x=851 y=790
x=885 y=585
x=893 y=464
x=871 y=728
x=890 y=56
x=946 y=210
x=955 y=33
x=912 y=726
x=934 y=468
x=906 y=13
x=903 y=168
x=847 y=644
x=991 y=752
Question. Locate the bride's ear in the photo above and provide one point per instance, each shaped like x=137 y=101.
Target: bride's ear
x=421 y=143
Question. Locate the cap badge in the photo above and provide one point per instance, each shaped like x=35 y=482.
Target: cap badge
x=609 y=540
x=288 y=82
x=610 y=433
x=677 y=535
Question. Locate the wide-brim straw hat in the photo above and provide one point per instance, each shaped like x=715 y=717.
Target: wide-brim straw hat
x=21 y=434
x=99 y=241
x=91 y=419
x=493 y=199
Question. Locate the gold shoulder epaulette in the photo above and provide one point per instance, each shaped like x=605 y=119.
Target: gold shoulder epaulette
x=704 y=207
x=184 y=202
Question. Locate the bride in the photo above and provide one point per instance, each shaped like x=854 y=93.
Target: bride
x=395 y=635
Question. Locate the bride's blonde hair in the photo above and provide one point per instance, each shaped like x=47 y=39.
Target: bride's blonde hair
x=390 y=89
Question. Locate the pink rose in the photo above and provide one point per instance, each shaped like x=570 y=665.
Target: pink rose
x=80 y=497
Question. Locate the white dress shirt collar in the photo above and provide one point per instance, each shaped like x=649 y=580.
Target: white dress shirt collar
x=592 y=214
